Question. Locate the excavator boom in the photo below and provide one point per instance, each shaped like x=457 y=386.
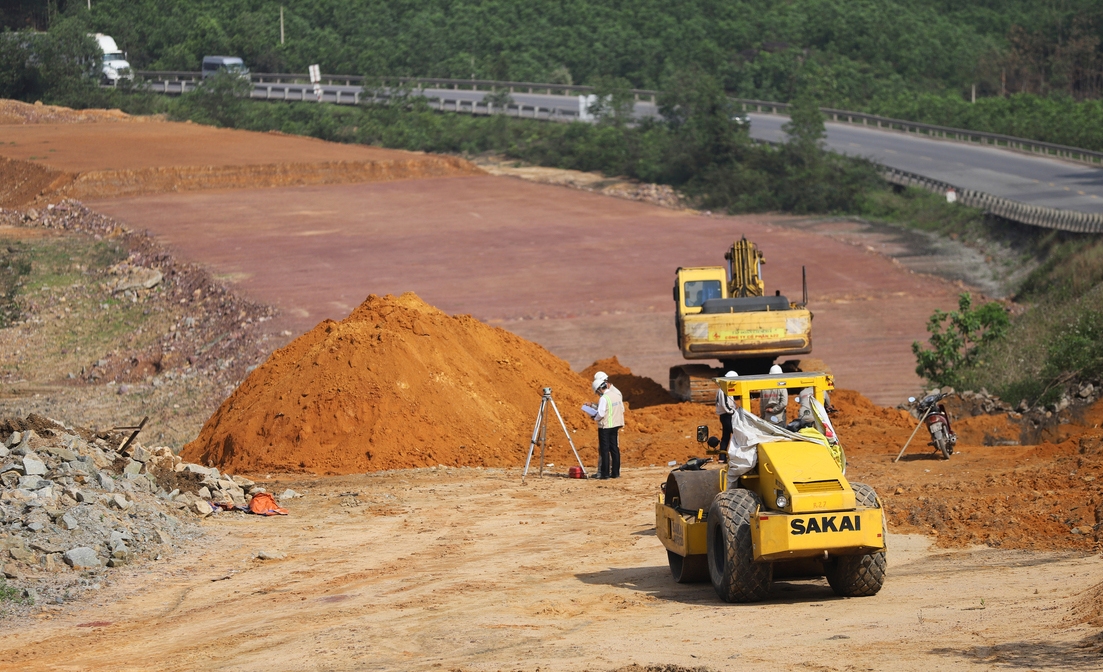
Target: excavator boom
x=745 y=269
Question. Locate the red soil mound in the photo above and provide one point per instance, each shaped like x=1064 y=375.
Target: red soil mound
x=638 y=391
x=16 y=112
x=22 y=181
x=396 y=384
x=48 y=153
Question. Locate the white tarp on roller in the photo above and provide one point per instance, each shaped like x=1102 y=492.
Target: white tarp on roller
x=749 y=430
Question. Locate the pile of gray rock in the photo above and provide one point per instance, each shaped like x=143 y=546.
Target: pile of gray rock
x=978 y=403
x=657 y=194
x=70 y=499
x=963 y=404
x=970 y=403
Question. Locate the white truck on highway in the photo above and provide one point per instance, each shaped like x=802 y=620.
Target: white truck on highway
x=115 y=66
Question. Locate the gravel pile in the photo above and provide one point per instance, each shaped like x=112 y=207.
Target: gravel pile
x=971 y=403
x=656 y=194
x=70 y=499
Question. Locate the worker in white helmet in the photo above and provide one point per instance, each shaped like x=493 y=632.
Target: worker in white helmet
x=725 y=408
x=610 y=418
x=773 y=403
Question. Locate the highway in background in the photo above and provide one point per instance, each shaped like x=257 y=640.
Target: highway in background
x=1034 y=180
x=1022 y=177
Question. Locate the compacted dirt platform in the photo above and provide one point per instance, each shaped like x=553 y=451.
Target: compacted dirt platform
x=98 y=154
x=585 y=275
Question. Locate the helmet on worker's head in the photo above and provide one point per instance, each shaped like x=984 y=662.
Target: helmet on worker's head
x=731 y=374
x=600 y=377
x=775 y=369
x=599 y=383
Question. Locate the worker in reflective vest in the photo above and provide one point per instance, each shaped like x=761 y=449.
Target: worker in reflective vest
x=610 y=418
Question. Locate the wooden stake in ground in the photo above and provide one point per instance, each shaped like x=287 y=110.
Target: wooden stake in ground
x=913 y=433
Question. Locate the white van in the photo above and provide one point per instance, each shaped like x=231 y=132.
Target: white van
x=213 y=64
x=115 y=66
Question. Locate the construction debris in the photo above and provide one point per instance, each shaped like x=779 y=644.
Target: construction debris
x=618 y=187
x=70 y=499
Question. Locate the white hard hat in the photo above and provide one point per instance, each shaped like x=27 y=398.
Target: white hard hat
x=598 y=382
x=731 y=374
x=775 y=369
x=601 y=375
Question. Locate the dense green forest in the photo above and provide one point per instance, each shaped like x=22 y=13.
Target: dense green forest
x=855 y=51
x=1033 y=64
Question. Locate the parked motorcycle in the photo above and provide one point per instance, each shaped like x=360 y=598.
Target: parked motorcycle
x=933 y=413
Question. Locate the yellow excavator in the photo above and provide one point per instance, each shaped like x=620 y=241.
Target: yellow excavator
x=723 y=312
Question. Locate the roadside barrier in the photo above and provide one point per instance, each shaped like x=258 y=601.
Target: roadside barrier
x=269 y=87
x=1050 y=218
x=172 y=82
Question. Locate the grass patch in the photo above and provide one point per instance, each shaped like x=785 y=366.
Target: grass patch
x=11 y=593
x=15 y=266
x=924 y=210
x=60 y=291
x=1073 y=267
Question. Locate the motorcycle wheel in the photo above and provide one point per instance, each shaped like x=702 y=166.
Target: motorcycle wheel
x=942 y=442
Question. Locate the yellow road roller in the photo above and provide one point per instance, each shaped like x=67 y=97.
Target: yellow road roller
x=779 y=505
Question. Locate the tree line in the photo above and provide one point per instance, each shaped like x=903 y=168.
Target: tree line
x=857 y=50
x=1037 y=68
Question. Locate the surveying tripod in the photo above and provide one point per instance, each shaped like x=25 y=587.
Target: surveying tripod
x=540 y=434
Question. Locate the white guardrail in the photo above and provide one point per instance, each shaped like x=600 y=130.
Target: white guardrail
x=170 y=81
x=296 y=87
x=292 y=88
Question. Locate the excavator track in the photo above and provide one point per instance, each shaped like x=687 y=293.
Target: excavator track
x=694 y=382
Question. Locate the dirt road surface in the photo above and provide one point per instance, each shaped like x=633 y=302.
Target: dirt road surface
x=471 y=570
x=585 y=275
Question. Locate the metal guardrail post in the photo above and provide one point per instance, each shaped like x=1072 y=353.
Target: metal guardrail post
x=1041 y=216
